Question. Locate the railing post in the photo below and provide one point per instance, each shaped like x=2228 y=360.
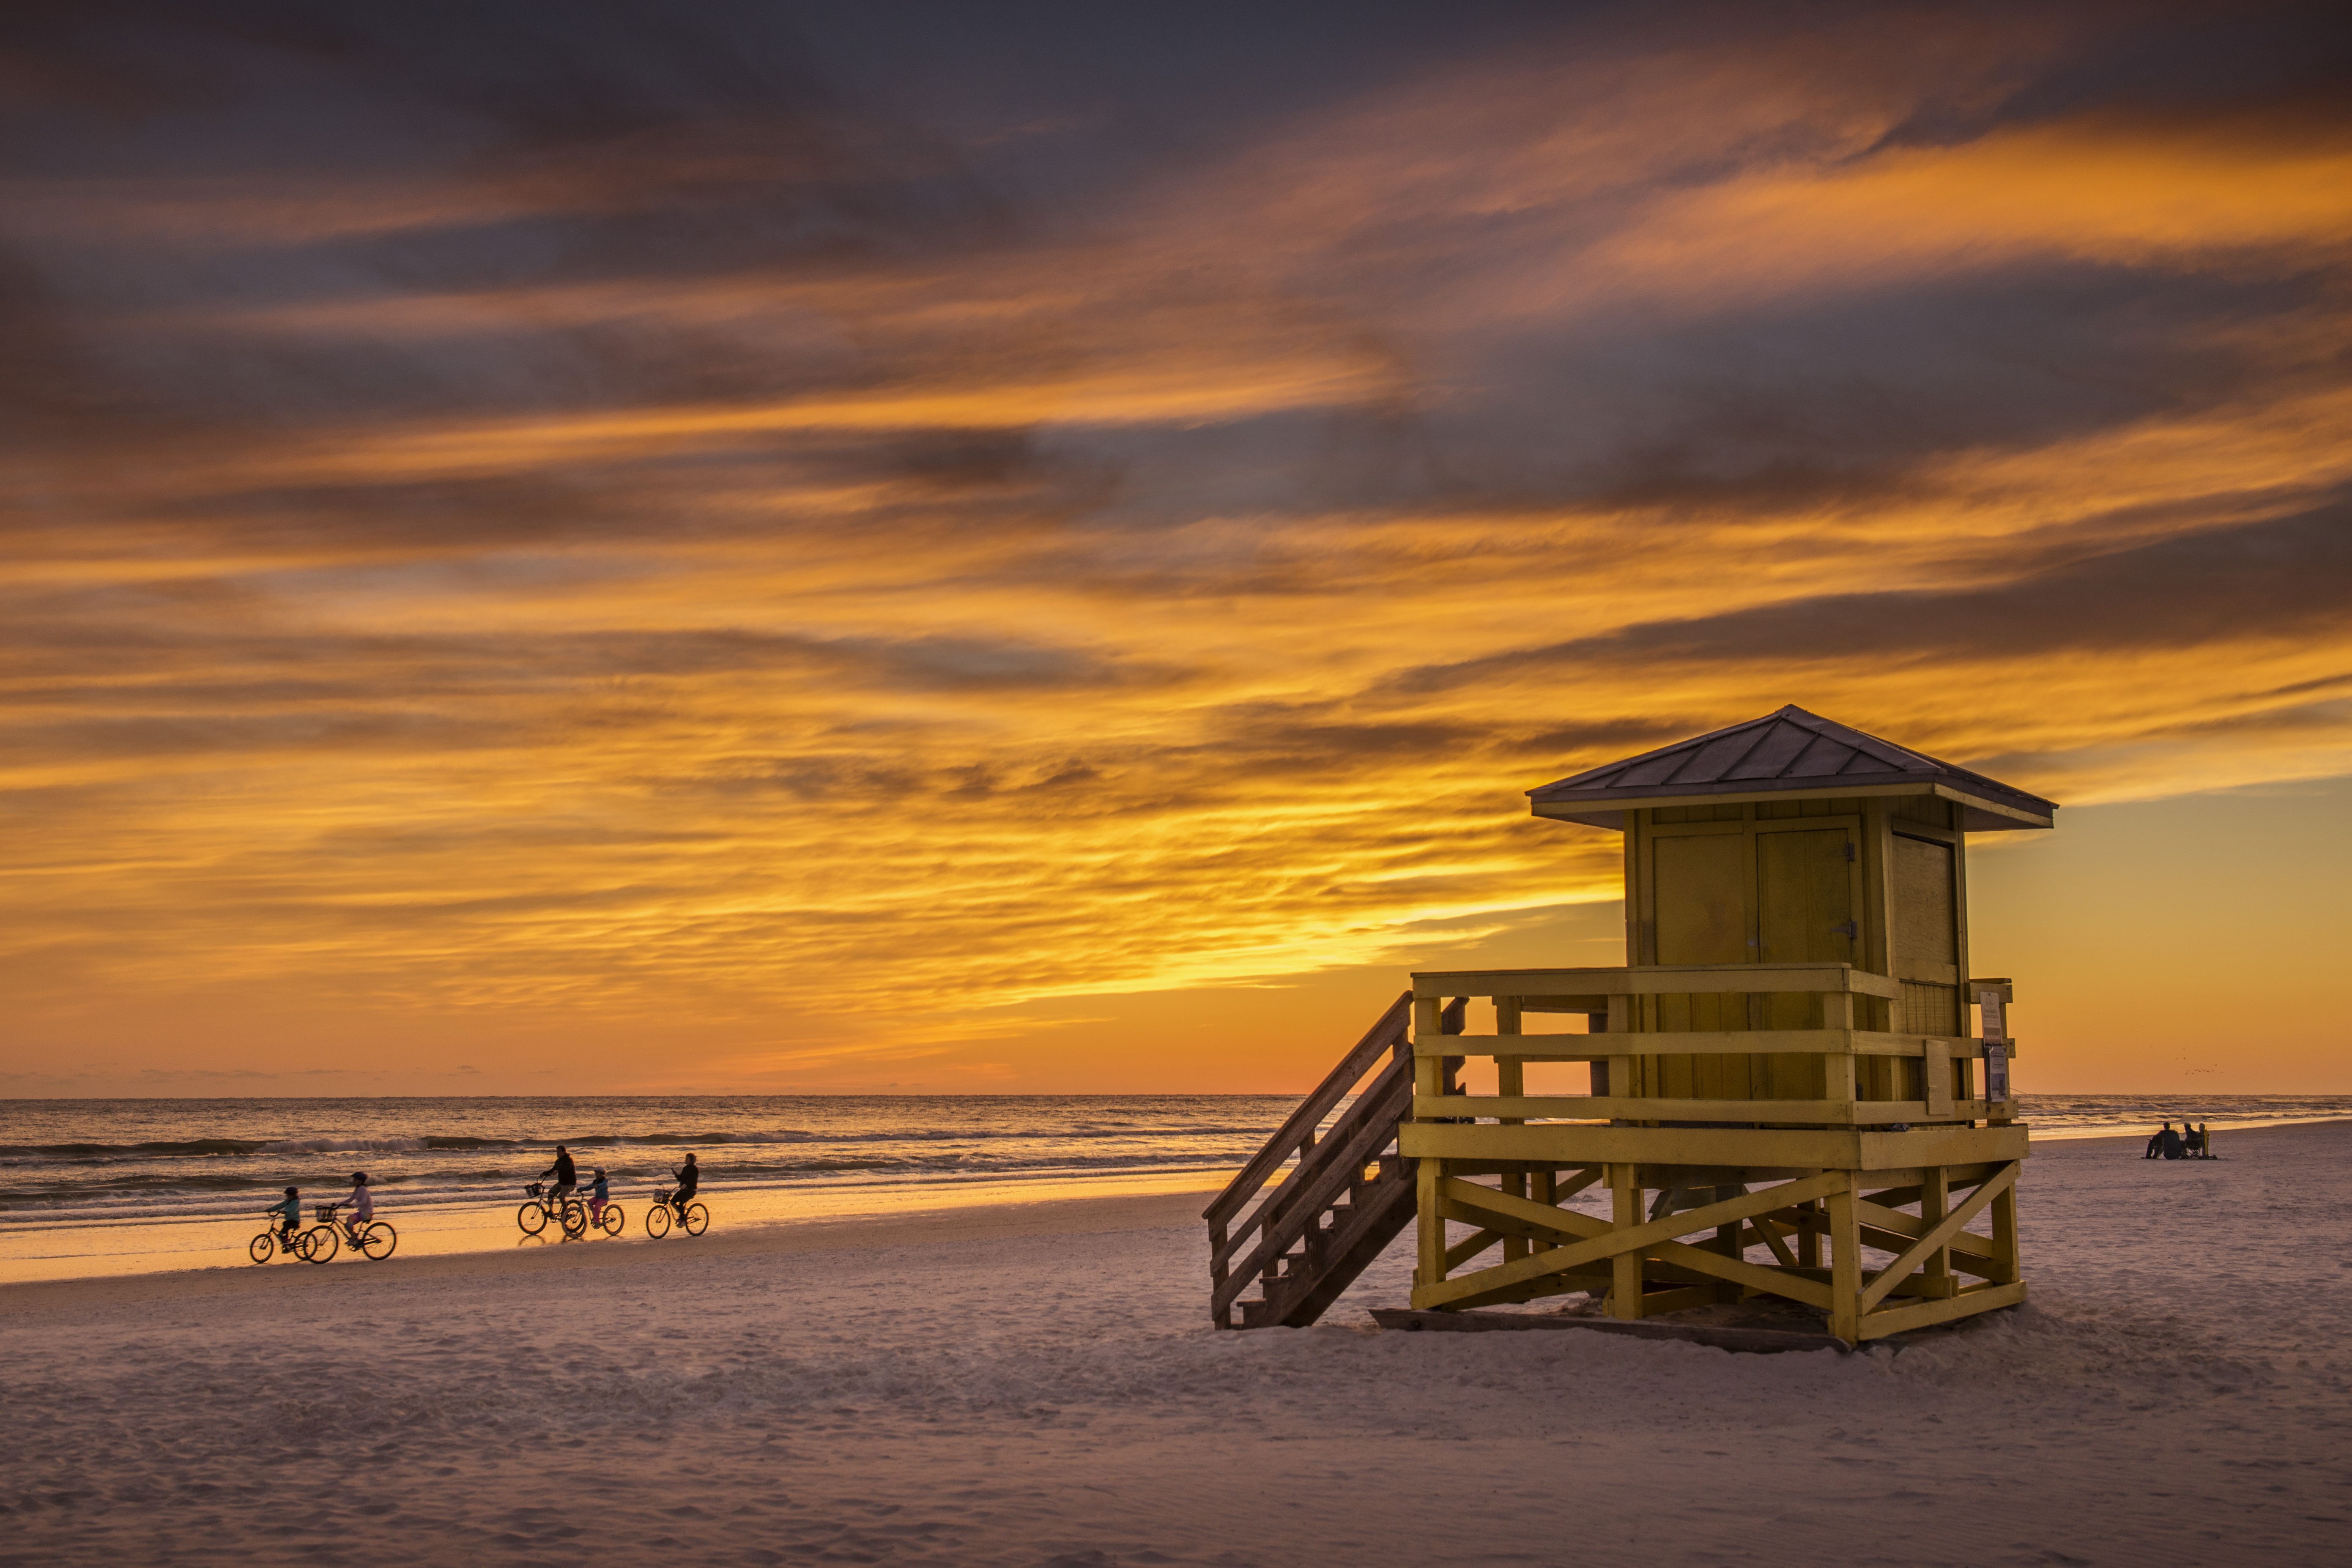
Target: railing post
x=1845 y=1266
x=1625 y=1268
x=1511 y=1080
x=1621 y=1068
x=1935 y=1202
x=2005 y=1262
x=1428 y=1083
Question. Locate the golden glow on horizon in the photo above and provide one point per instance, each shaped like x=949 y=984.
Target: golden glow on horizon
x=828 y=724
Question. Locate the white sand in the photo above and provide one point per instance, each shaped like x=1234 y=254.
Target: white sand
x=1037 y=1385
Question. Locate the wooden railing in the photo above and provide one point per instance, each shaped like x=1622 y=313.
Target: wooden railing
x=1608 y=997
x=1322 y=1164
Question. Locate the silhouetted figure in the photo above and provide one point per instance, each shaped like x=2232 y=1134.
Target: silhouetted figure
x=567 y=1174
x=688 y=1180
x=2155 y=1142
x=2193 y=1140
x=363 y=1202
x=2168 y=1145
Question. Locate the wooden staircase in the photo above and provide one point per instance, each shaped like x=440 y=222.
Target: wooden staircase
x=1346 y=1195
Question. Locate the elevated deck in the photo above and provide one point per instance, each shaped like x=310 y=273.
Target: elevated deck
x=1782 y=1152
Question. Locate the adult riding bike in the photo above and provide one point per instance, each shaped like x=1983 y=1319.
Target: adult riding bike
x=695 y=1217
x=567 y=1211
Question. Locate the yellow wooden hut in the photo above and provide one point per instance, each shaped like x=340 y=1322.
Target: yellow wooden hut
x=1796 y=1088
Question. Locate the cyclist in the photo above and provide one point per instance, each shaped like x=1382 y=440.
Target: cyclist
x=687 y=1180
x=289 y=1215
x=363 y=1202
x=600 y=1192
x=566 y=1175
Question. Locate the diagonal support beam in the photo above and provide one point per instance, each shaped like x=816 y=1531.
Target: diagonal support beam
x=1463 y=1251
x=1910 y=1226
x=1589 y=1240
x=1944 y=1230
x=1770 y=1233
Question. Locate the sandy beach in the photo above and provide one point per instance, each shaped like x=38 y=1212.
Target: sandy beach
x=1036 y=1384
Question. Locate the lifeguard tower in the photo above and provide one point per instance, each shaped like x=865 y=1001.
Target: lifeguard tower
x=1783 y=1081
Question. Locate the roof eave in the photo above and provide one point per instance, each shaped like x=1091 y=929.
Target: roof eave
x=1986 y=811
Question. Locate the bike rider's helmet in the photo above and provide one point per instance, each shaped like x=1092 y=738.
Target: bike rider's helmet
x=292 y=1192
x=359 y=1178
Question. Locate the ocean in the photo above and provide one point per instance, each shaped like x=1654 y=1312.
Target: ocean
x=84 y=1162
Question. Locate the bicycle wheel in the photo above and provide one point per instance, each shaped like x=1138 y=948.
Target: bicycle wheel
x=698 y=1219
x=575 y=1219
x=614 y=1219
x=320 y=1243
x=533 y=1218
x=262 y=1247
x=378 y=1240
x=657 y=1221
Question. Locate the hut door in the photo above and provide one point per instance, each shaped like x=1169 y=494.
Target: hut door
x=1700 y=888
x=1804 y=885
x=1702 y=899
x=1805 y=914
x=1927 y=945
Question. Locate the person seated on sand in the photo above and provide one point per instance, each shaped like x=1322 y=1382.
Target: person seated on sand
x=289 y=1215
x=2192 y=1140
x=688 y=1179
x=567 y=1174
x=600 y=1192
x=2155 y=1142
x=363 y=1202
x=2168 y=1145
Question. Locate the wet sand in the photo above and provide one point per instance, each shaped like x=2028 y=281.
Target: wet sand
x=83 y=1250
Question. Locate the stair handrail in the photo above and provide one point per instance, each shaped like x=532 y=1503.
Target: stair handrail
x=1357 y=1139
x=1298 y=1129
x=1284 y=1216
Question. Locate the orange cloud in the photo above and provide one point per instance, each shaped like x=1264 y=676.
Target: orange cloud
x=862 y=649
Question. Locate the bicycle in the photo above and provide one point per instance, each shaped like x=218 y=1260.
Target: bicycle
x=272 y=1241
x=611 y=1221
x=567 y=1211
x=375 y=1240
x=693 y=1217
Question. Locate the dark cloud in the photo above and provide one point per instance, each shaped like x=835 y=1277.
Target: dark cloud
x=2278 y=579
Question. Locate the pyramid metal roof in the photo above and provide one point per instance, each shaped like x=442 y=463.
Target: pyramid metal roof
x=1790 y=752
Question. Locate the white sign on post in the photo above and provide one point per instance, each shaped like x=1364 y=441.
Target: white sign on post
x=1996 y=1047
x=1996 y=1073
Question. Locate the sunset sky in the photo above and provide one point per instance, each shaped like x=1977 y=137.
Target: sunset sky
x=752 y=547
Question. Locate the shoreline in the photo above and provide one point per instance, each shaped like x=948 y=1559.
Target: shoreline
x=909 y=1217
x=1066 y=1215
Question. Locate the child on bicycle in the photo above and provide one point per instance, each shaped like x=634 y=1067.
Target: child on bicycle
x=363 y=1202
x=289 y=1215
x=599 y=1192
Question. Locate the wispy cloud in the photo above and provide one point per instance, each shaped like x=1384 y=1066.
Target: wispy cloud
x=650 y=523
